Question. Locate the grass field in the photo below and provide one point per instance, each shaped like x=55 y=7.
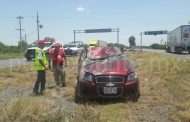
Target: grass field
x=169 y=79
x=10 y=55
x=165 y=88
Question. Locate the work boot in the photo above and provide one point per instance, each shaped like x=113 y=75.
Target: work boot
x=41 y=93
x=34 y=93
x=63 y=85
x=57 y=83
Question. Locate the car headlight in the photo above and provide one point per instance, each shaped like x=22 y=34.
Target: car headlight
x=88 y=77
x=132 y=76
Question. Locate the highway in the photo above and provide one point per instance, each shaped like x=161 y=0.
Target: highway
x=179 y=56
x=13 y=62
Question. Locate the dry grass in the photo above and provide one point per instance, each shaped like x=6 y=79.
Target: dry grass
x=22 y=76
x=35 y=109
x=107 y=112
x=27 y=109
x=10 y=55
x=169 y=78
x=164 y=81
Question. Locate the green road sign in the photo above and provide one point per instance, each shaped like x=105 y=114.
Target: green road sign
x=155 y=32
x=98 y=30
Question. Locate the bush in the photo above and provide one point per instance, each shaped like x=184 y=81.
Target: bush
x=9 y=49
x=157 y=46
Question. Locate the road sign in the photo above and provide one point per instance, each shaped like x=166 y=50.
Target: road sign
x=98 y=30
x=155 y=32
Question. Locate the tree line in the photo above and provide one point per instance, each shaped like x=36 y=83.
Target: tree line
x=11 y=49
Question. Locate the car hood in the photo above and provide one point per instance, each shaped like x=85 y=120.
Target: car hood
x=113 y=67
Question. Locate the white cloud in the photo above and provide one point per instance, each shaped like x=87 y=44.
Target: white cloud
x=82 y=9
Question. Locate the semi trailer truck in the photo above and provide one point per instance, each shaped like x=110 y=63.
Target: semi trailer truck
x=178 y=40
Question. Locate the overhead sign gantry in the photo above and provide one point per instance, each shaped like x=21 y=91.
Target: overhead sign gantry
x=152 y=33
x=155 y=32
x=105 y=30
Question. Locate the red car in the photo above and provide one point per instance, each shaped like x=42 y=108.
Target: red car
x=103 y=72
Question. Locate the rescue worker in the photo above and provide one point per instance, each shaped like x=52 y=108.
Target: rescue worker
x=57 y=59
x=41 y=66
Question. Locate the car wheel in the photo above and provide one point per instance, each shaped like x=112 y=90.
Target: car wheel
x=76 y=53
x=28 y=59
x=135 y=96
x=78 y=98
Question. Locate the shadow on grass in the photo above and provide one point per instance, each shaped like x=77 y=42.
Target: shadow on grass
x=106 y=101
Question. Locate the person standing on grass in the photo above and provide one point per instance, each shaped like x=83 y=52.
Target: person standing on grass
x=41 y=66
x=57 y=60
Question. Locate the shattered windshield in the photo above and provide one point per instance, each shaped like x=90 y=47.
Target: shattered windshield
x=98 y=53
x=47 y=44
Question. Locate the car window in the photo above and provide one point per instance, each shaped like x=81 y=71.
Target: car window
x=71 y=45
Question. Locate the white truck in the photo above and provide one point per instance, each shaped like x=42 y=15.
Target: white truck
x=30 y=52
x=74 y=48
x=178 y=40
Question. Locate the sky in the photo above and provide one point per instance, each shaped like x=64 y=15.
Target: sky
x=61 y=17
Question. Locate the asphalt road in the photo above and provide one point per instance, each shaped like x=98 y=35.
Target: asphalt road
x=179 y=56
x=13 y=62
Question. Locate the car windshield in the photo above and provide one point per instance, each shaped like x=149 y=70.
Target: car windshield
x=97 y=53
x=71 y=45
x=47 y=44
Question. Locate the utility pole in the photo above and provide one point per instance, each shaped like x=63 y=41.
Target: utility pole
x=20 y=28
x=38 y=26
x=26 y=41
x=37 y=21
x=118 y=35
x=141 y=40
x=74 y=37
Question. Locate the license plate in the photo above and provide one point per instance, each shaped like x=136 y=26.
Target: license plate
x=110 y=90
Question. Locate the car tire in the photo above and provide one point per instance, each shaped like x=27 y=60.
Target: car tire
x=78 y=98
x=76 y=53
x=28 y=59
x=135 y=96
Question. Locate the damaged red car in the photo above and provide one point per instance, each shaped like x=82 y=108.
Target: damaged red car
x=103 y=72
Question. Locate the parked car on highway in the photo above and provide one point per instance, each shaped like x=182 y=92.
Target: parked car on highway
x=30 y=53
x=74 y=48
x=103 y=72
